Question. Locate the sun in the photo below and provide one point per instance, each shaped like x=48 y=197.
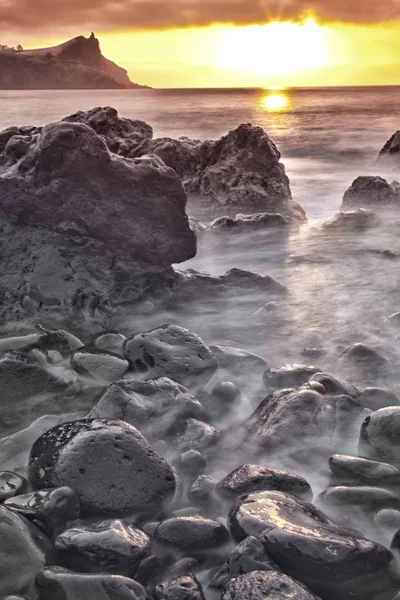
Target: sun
x=275 y=102
x=275 y=48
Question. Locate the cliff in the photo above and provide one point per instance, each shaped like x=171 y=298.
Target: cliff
x=75 y=64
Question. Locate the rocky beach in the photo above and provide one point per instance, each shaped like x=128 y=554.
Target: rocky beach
x=153 y=446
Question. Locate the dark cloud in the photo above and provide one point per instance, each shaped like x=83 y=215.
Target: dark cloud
x=40 y=15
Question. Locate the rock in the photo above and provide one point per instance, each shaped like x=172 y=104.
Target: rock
x=394 y=320
x=29 y=391
x=255 y=478
x=48 y=509
x=11 y=485
x=184 y=566
x=334 y=562
x=223 y=400
x=110 y=342
x=361 y=470
x=191 y=534
x=56 y=583
x=389 y=152
x=376 y=398
x=182 y=587
x=260 y=585
x=240 y=278
x=380 y=434
x=369 y=191
x=155 y=407
x=334 y=386
x=150 y=571
x=289 y=376
x=108 y=463
x=24 y=551
x=349 y=505
x=201 y=492
x=58 y=340
x=197 y=435
x=352 y=221
x=254 y=221
x=171 y=351
x=364 y=362
x=289 y=420
x=111 y=546
x=101 y=365
x=66 y=158
x=388 y=523
x=193 y=463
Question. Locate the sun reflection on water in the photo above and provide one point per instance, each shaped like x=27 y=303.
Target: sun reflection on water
x=275 y=101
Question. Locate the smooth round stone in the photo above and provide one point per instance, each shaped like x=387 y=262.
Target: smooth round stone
x=263 y=585
x=226 y=392
x=109 y=464
x=353 y=468
x=365 y=359
x=193 y=462
x=182 y=587
x=102 y=547
x=24 y=551
x=110 y=342
x=51 y=508
x=289 y=376
x=174 y=352
x=11 y=485
x=375 y=398
x=193 y=533
x=150 y=571
x=197 y=436
x=334 y=562
x=380 y=435
x=339 y=501
x=102 y=366
x=255 y=478
x=388 y=523
x=56 y=583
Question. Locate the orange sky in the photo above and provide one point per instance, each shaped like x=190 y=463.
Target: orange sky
x=321 y=42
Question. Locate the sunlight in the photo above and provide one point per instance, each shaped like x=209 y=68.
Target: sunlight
x=275 y=101
x=278 y=47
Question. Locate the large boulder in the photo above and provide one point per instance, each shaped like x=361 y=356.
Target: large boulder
x=380 y=436
x=24 y=551
x=367 y=191
x=351 y=221
x=263 y=585
x=334 y=562
x=239 y=172
x=84 y=228
x=109 y=464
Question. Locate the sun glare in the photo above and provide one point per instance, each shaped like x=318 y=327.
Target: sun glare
x=274 y=48
x=275 y=101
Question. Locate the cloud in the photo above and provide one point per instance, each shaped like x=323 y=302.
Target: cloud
x=36 y=16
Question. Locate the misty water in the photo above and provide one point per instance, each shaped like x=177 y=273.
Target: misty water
x=340 y=288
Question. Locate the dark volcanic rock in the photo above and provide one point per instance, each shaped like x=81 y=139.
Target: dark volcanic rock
x=102 y=547
x=370 y=191
x=24 y=551
x=57 y=583
x=334 y=562
x=364 y=360
x=390 y=151
x=69 y=162
x=110 y=342
x=182 y=587
x=171 y=351
x=155 y=407
x=11 y=485
x=289 y=376
x=191 y=534
x=48 y=509
x=380 y=434
x=361 y=470
x=334 y=386
x=109 y=464
x=253 y=221
x=263 y=585
x=197 y=435
x=255 y=478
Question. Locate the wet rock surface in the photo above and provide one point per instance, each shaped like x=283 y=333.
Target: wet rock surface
x=194 y=533
x=183 y=587
x=370 y=191
x=109 y=464
x=258 y=585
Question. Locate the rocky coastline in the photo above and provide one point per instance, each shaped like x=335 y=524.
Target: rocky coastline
x=144 y=463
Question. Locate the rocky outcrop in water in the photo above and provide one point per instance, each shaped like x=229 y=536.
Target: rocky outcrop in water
x=367 y=192
x=239 y=172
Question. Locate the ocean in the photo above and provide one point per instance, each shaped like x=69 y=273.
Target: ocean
x=341 y=289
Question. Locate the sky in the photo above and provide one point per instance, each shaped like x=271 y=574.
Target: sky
x=224 y=43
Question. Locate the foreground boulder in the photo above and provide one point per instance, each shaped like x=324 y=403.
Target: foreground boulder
x=24 y=551
x=334 y=562
x=380 y=436
x=258 y=585
x=108 y=463
x=239 y=172
x=369 y=191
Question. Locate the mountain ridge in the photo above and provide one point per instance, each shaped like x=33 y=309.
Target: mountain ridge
x=77 y=63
